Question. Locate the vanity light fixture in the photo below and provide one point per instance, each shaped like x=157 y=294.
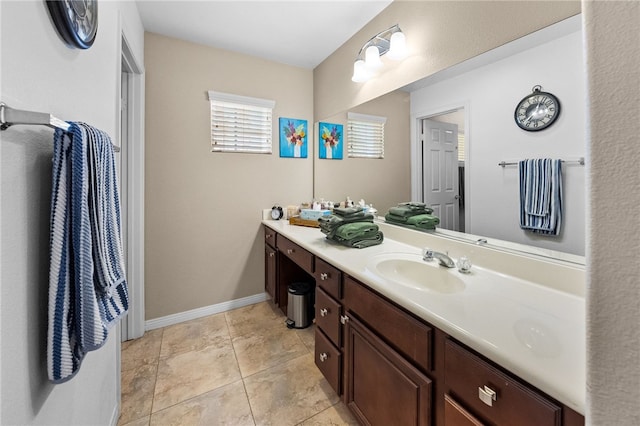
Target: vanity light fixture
x=391 y=41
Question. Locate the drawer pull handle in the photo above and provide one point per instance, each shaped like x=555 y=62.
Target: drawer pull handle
x=268 y=236
x=324 y=276
x=487 y=395
x=323 y=357
x=344 y=319
x=271 y=254
x=323 y=312
x=289 y=251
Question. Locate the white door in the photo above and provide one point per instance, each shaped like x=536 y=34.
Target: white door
x=122 y=159
x=440 y=171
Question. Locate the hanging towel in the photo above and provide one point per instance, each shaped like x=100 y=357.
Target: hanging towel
x=541 y=195
x=87 y=285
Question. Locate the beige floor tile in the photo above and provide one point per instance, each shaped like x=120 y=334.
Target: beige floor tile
x=336 y=415
x=137 y=393
x=289 y=393
x=259 y=351
x=194 y=335
x=254 y=318
x=227 y=405
x=190 y=374
x=141 y=351
x=140 y=422
x=308 y=337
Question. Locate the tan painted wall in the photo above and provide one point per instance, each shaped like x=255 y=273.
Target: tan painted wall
x=383 y=182
x=613 y=337
x=203 y=241
x=439 y=34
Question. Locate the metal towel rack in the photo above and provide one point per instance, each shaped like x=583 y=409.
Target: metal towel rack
x=10 y=116
x=579 y=161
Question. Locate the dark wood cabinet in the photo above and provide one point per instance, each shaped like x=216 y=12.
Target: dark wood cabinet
x=382 y=387
x=393 y=368
x=270 y=272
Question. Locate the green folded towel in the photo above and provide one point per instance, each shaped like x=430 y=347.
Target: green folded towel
x=405 y=210
x=423 y=221
x=370 y=239
x=329 y=224
x=348 y=211
x=353 y=230
x=395 y=219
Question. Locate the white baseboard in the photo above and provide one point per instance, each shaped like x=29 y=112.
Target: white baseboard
x=204 y=311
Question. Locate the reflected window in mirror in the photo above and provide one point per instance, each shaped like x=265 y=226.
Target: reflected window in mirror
x=365 y=134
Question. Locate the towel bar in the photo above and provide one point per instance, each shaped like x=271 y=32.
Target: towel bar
x=579 y=161
x=10 y=116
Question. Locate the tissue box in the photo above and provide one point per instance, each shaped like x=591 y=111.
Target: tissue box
x=310 y=214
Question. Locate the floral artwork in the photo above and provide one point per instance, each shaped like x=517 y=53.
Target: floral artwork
x=293 y=138
x=330 y=141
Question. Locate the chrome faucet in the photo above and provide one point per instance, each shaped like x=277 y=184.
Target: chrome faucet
x=443 y=258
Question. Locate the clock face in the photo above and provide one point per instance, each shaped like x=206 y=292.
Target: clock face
x=276 y=213
x=537 y=111
x=75 y=20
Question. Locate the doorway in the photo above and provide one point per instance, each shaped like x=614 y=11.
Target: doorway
x=442 y=166
x=131 y=170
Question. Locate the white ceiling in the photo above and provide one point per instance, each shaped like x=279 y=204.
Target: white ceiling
x=295 y=32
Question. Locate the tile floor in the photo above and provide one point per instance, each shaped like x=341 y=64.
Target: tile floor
x=241 y=367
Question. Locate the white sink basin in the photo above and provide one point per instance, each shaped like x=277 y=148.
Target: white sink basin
x=411 y=271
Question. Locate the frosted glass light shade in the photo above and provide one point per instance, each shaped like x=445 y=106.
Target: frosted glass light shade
x=397 y=46
x=360 y=73
x=372 y=58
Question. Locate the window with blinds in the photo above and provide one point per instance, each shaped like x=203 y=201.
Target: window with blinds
x=241 y=123
x=365 y=134
x=461 y=147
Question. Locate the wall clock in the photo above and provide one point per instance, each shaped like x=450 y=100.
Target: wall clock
x=537 y=111
x=75 y=20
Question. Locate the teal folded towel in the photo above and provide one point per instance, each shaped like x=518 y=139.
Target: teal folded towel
x=329 y=224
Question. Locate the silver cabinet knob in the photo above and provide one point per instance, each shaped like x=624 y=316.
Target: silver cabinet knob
x=324 y=276
x=323 y=312
x=487 y=395
x=323 y=357
x=344 y=319
x=271 y=254
x=289 y=251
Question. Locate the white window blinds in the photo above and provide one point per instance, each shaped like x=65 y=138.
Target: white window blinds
x=460 y=146
x=365 y=134
x=241 y=123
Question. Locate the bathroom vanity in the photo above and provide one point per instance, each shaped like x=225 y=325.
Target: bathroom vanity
x=407 y=342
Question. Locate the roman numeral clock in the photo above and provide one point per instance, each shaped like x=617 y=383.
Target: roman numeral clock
x=537 y=111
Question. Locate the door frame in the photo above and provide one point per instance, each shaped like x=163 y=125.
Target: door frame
x=416 y=151
x=133 y=324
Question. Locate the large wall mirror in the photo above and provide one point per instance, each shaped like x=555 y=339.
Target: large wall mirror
x=473 y=104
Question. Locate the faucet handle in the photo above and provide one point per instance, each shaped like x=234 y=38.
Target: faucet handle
x=464 y=265
x=427 y=254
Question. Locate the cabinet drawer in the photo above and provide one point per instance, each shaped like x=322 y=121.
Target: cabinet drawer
x=406 y=334
x=456 y=415
x=269 y=236
x=329 y=361
x=328 y=313
x=303 y=258
x=329 y=278
x=470 y=378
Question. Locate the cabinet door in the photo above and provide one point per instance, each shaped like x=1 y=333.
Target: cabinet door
x=270 y=272
x=382 y=388
x=456 y=415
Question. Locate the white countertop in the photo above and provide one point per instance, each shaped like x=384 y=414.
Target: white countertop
x=533 y=328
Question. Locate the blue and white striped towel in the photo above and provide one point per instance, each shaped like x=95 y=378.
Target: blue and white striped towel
x=541 y=195
x=87 y=284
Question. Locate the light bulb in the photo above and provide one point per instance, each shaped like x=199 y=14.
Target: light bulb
x=360 y=73
x=397 y=46
x=372 y=58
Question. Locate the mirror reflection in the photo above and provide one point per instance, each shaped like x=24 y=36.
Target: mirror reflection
x=471 y=107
